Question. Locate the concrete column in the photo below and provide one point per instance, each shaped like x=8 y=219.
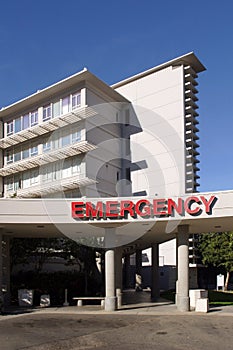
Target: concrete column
x=118 y=264
x=155 y=287
x=110 y=297
x=182 y=297
x=110 y=289
x=138 y=277
x=127 y=271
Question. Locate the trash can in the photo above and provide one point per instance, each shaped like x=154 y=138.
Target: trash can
x=25 y=297
x=45 y=300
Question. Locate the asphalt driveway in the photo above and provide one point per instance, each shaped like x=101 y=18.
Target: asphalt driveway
x=77 y=331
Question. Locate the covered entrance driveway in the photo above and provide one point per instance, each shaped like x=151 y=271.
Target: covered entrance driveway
x=53 y=218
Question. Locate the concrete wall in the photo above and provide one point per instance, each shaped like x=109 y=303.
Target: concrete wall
x=167 y=250
x=158 y=100
x=104 y=130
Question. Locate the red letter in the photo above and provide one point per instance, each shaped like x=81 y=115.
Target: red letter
x=208 y=204
x=94 y=212
x=77 y=209
x=127 y=206
x=187 y=206
x=111 y=206
x=171 y=206
x=159 y=204
x=145 y=211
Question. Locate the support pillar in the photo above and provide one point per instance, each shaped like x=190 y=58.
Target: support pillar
x=110 y=298
x=118 y=264
x=155 y=287
x=138 y=276
x=110 y=290
x=182 y=292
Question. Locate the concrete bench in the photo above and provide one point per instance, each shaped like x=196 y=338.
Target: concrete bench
x=80 y=300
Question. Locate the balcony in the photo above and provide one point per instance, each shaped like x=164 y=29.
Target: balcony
x=48 y=126
x=48 y=157
x=61 y=185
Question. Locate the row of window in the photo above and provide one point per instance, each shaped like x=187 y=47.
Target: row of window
x=51 y=172
x=51 y=110
x=58 y=140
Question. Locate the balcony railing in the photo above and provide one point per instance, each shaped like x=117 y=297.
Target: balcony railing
x=61 y=185
x=48 y=157
x=48 y=126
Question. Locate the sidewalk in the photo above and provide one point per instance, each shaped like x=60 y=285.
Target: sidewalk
x=134 y=303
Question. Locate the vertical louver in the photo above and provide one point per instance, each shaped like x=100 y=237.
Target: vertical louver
x=191 y=129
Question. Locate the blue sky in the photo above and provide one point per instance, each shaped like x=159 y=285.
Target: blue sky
x=47 y=40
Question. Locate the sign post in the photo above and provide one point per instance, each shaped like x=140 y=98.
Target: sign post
x=220 y=282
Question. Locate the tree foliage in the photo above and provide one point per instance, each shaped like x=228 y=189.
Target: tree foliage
x=37 y=251
x=217 y=250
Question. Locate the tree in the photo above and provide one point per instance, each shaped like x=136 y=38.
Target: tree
x=37 y=251
x=34 y=250
x=217 y=250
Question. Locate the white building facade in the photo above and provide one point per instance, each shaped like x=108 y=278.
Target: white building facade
x=82 y=139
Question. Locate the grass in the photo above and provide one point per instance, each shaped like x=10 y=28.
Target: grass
x=216 y=298
x=219 y=298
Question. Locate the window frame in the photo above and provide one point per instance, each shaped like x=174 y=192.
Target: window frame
x=77 y=98
x=47 y=109
x=10 y=125
x=33 y=116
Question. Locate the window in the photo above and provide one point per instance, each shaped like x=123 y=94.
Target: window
x=26 y=121
x=26 y=179
x=34 y=149
x=76 y=162
x=9 y=156
x=18 y=126
x=9 y=183
x=65 y=139
x=34 y=118
x=17 y=182
x=56 y=171
x=76 y=136
x=47 y=173
x=66 y=168
x=34 y=176
x=65 y=105
x=56 y=109
x=25 y=152
x=10 y=127
x=17 y=154
x=55 y=141
x=76 y=100
x=47 y=112
x=46 y=146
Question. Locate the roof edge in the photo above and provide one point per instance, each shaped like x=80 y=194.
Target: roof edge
x=83 y=75
x=189 y=58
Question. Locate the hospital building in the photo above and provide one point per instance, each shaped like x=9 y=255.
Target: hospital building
x=120 y=147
